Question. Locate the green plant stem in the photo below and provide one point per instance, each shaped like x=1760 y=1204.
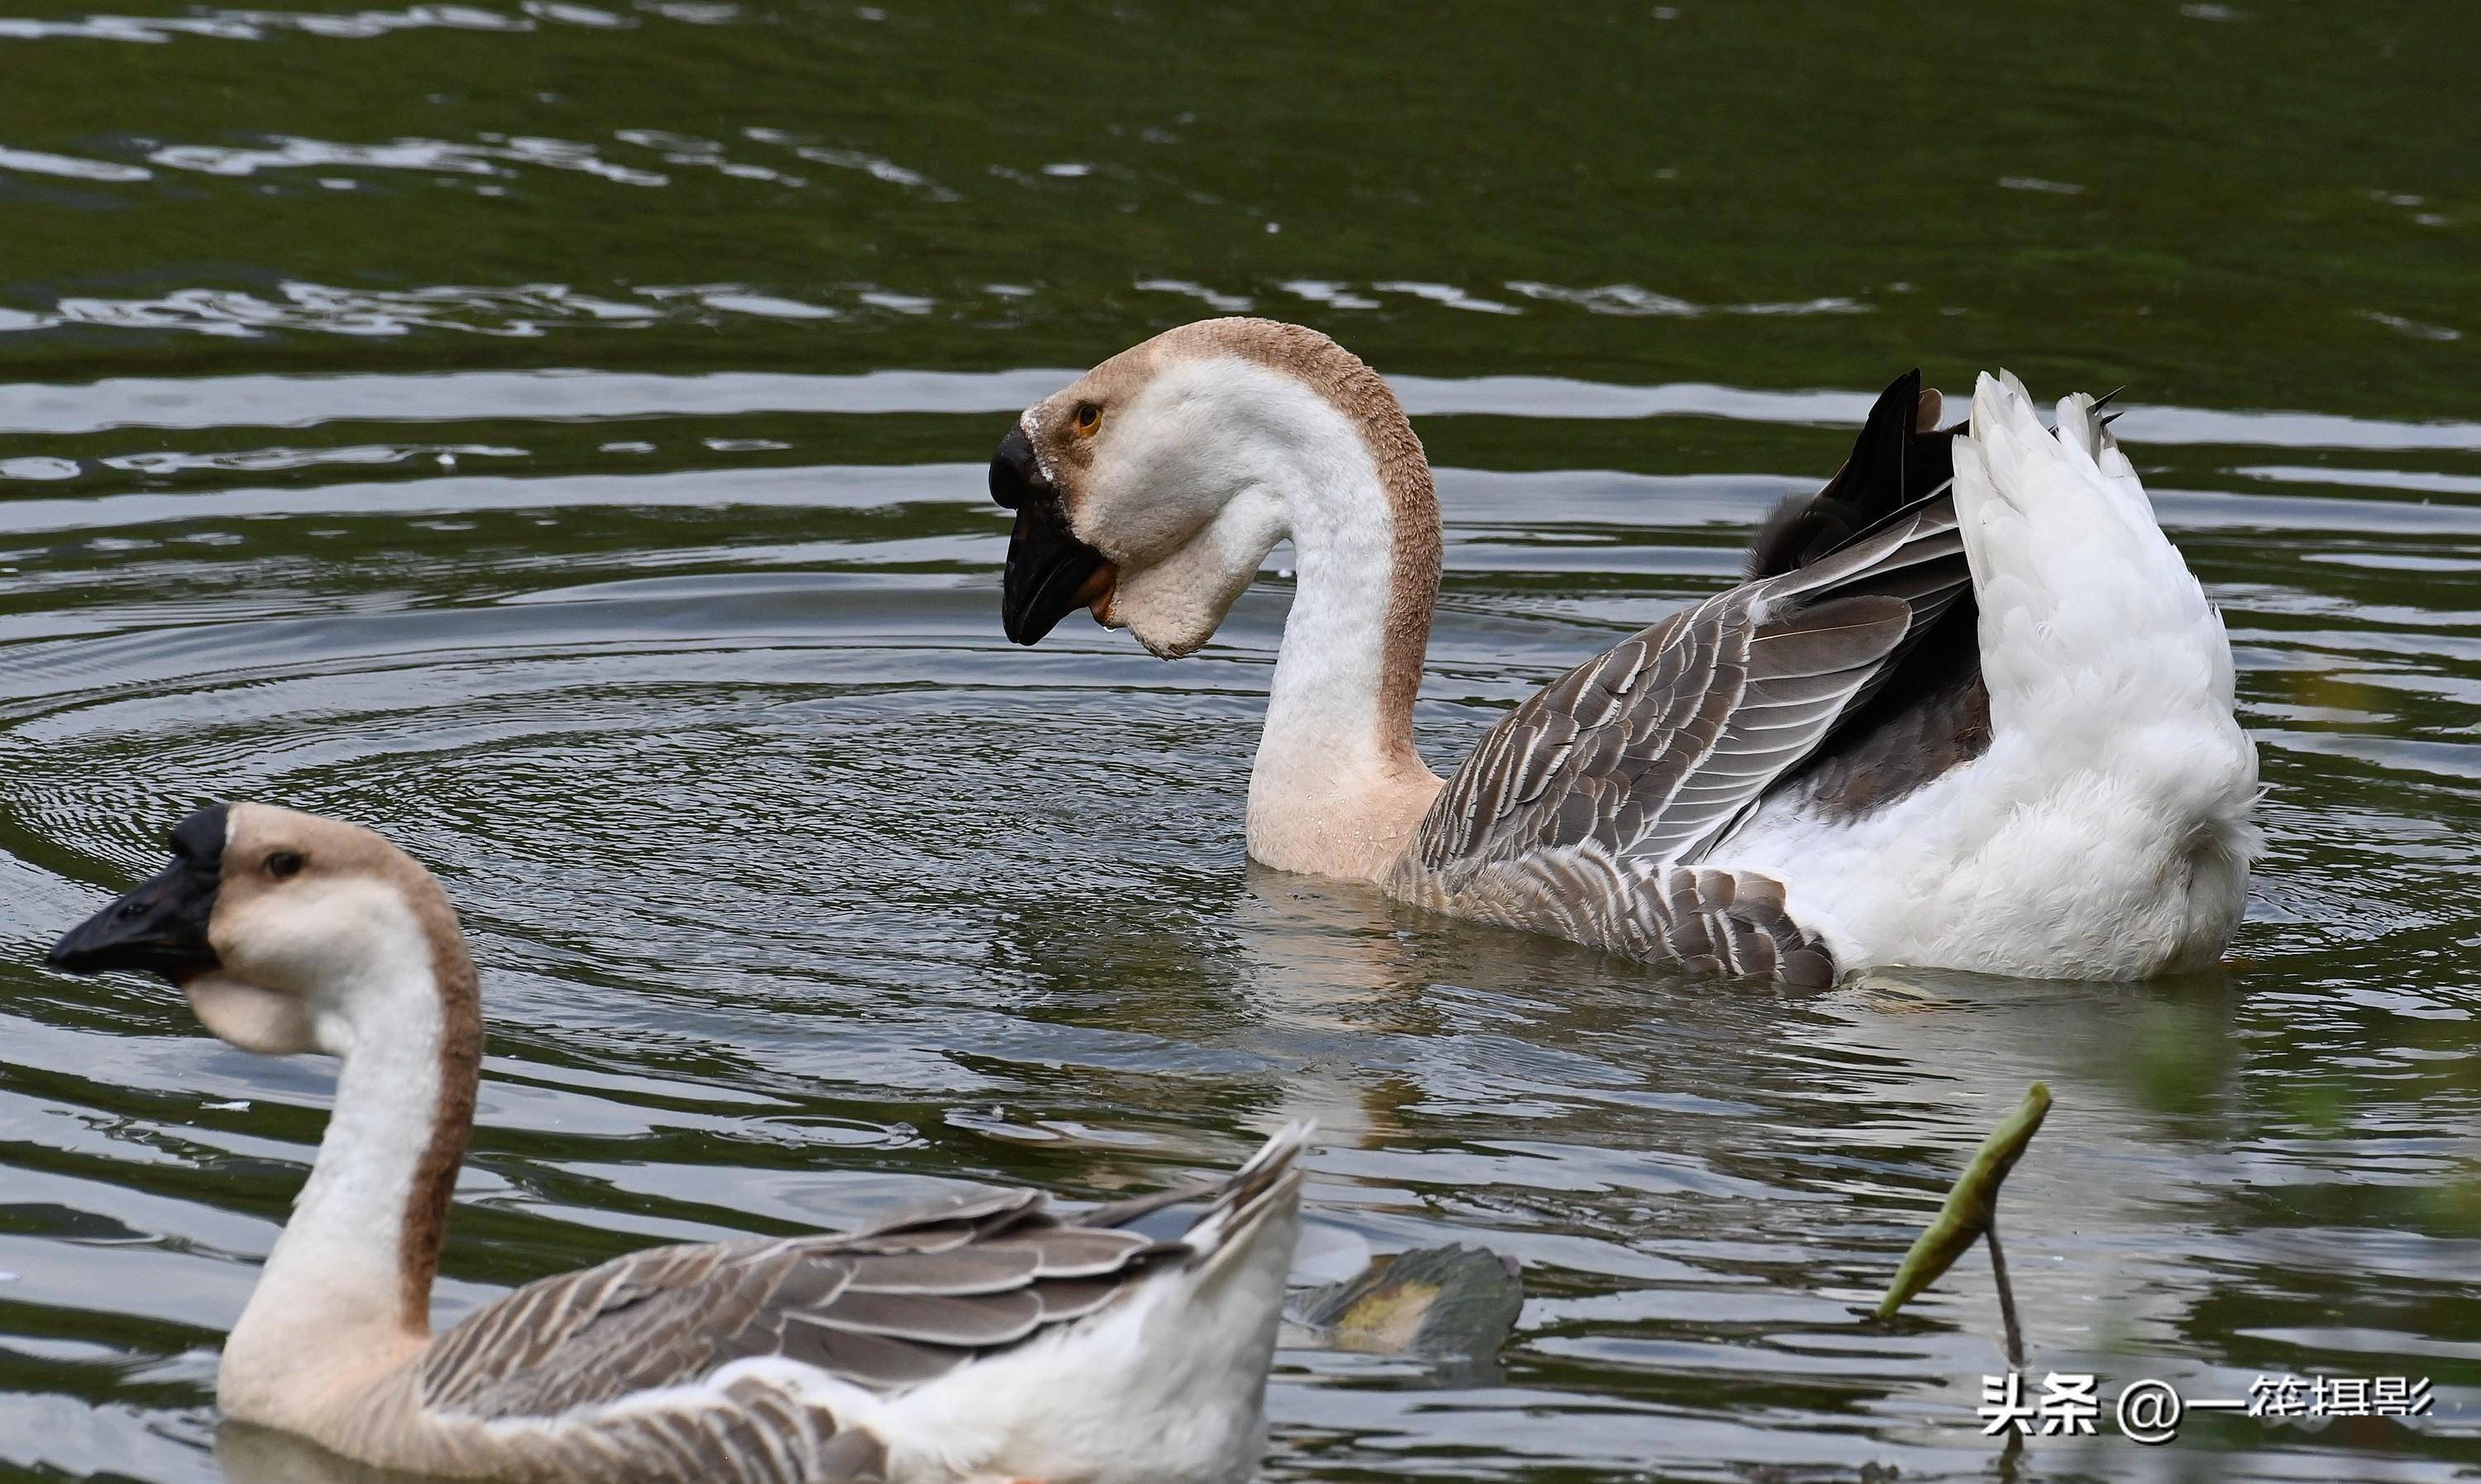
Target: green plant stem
x=2006 y=1298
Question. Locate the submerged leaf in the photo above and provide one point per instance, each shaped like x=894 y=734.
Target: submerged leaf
x=1970 y=1205
x=1453 y=1300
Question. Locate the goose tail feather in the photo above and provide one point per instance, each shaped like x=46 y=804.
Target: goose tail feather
x=2077 y=583
x=1268 y=1183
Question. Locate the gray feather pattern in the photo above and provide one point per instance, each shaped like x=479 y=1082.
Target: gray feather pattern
x=960 y=1322
x=1574 y=809
x=986 y=1267
x=895 y=1306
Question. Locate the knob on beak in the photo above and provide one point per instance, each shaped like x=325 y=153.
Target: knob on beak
x=1015 y=477
x=162 y=922
x=1050 y=571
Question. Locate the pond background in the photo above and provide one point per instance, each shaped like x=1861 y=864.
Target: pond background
x=553 y=433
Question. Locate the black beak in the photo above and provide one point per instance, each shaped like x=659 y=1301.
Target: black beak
x=162 y=922
x=1048 y=567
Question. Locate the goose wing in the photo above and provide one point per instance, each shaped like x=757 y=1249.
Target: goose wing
x=883 y=1310
x=1932 y=712
x=1900 y=456
x=1650 y=752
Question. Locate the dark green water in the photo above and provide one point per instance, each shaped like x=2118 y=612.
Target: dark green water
x=553 y=433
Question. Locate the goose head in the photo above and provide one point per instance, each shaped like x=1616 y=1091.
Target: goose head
x=286 y=933
x=1150 y=489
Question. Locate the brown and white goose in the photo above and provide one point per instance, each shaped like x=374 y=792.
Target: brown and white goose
x=983 y=1338
x=1970 y=710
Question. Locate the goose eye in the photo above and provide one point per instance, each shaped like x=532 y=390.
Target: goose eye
x=1089 y=418
x=284 y=863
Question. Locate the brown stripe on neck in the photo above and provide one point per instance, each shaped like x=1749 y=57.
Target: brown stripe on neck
x=1363 y=397
x=425 y=1228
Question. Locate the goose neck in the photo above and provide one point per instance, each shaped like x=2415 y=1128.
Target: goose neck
x=1337 y=774
x=351 y=1275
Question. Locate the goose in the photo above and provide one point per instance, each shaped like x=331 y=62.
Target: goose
x=1970 y=710
x=986 y=1336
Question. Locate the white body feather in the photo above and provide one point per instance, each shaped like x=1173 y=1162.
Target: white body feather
x=2105 y=832
x=1167 y=1386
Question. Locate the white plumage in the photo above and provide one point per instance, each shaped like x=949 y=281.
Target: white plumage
x=2105 y=832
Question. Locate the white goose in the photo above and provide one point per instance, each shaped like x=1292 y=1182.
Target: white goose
x=984 y=1337
x=1981 y=723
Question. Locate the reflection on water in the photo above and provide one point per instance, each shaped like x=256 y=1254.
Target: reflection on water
x=550 y=434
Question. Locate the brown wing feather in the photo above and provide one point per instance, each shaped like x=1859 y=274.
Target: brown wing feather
x=1650 y=750
x=1582 y=810
x=884 y=1311
x=1900 y=457
x=1933 y=714
x=884 y=1308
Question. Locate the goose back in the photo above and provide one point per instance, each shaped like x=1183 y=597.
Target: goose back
x=787 y=1361
x=1574 y=812
x=881 y=1310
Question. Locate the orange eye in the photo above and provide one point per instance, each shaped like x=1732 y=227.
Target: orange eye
x=1089 y=419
